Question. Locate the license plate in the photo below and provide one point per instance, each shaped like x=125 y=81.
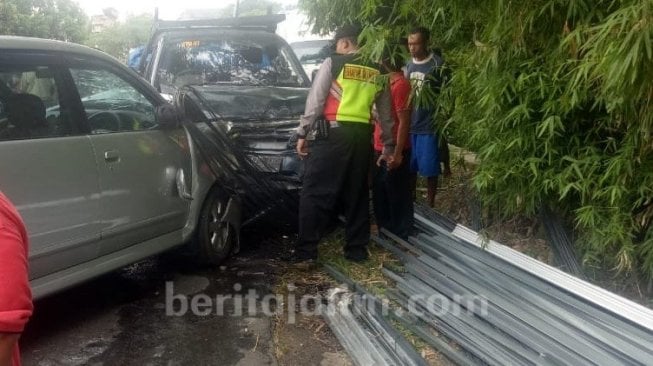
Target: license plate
x=268 y=164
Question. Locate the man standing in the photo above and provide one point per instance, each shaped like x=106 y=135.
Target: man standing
x=15 y=295
x=391 y=190
x=337 y=162
x=425 y=74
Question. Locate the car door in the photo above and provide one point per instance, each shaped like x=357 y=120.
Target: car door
x=140 y=164
x=47 y=164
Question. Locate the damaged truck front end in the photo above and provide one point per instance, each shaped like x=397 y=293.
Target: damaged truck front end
x=242 y=91
x=240 y=76
x=260 y=123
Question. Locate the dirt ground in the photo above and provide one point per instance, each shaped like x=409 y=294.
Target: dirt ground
x=297 y=340
x=306 y=339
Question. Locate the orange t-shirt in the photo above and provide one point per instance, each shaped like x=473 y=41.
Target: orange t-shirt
x=400 y=91
x=15 y=295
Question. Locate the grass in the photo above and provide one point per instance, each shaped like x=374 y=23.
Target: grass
x=368 y=274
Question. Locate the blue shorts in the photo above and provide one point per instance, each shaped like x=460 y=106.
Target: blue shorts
x=424 y=159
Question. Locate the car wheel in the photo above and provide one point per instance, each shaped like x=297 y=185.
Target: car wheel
x=216 y=236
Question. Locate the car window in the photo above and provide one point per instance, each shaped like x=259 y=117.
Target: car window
x=312 y=51
x=111 y=103
x=227 y=60
x=29 y=103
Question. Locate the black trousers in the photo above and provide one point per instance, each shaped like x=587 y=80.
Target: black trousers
x=335 y=177
x=392 y=197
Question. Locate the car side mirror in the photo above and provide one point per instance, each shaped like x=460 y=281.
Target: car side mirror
x=168 y=116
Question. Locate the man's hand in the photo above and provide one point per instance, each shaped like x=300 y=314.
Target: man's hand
x=302 y=148
x=397 y=160
x=389 y=160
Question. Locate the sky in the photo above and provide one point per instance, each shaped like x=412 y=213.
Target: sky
x=293 y=29
x=168 y=9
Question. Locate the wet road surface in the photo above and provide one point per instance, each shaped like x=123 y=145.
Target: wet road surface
x=136 y=316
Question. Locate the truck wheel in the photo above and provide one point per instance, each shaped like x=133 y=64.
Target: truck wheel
x=216 y=236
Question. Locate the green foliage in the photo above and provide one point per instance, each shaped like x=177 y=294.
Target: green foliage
x=118 y=39
x=54 y=19
x=554 y=96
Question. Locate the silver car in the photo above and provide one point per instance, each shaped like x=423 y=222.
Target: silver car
x=98 y=166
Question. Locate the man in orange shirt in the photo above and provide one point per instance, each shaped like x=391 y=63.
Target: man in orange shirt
x=15 y=294
x=391 y=186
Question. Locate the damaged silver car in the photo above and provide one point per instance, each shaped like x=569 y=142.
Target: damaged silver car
x=99 y=166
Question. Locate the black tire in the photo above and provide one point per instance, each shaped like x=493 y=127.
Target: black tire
x=215 y=237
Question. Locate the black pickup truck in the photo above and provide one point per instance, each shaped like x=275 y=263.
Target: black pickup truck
x=238 y=73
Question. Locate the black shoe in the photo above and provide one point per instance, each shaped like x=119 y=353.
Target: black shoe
x=307 y=264
x=298 y=261
x=294 y=256
x=358 y=257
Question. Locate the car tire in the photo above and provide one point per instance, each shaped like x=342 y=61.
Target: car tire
x=216 y=236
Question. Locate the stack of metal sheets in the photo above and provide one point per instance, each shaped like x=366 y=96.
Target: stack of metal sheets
x=502 y=307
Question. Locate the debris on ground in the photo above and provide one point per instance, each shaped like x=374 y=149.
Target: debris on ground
x=359 y=324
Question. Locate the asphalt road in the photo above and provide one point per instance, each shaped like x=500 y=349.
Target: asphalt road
x=131 y=317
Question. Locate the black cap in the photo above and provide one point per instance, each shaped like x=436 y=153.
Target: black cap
x=347 y=31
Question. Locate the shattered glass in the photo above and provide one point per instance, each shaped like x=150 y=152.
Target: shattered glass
x=227 y=61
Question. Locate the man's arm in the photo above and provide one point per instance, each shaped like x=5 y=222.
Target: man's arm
x=401 y=101
x=314 y=104
x=403 y=130
x=316 y=98
x=384 y=109
x=7 y=344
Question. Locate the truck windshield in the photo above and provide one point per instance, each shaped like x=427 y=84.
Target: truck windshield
x=203 y=61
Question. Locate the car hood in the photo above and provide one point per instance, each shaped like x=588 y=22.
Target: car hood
x=252 y=103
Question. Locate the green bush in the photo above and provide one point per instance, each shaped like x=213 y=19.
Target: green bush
x=555 y=97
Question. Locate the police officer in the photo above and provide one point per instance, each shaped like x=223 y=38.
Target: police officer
x=344 y=91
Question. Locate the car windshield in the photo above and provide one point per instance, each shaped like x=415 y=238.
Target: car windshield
x=230 y=60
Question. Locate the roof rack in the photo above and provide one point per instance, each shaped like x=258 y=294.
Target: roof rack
x=263 y=22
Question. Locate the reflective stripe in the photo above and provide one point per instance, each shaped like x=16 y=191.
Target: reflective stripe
x=336 y=91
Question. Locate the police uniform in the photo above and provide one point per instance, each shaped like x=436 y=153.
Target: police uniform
x=336 y=169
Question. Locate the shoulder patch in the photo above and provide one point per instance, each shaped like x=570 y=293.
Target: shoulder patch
x=360 y=73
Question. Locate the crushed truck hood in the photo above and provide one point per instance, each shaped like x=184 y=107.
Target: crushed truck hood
x=251 y=103
x=262 y=119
